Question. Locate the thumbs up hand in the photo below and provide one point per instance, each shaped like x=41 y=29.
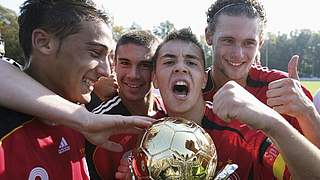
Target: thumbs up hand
x=286 y=95
x=293 y=67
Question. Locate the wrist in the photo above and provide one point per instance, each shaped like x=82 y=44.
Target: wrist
x=78 y=118
x=82 y=118
x=308 y=114
x=273 y=122
x=275 y=129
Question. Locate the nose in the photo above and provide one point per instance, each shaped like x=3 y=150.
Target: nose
x=134 y=72
x=237 y=52
x=103 y=68
x=180 y=66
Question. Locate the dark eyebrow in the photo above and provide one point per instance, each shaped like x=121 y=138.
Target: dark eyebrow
x=123 y=59
x=226 y=37
x=191 y=56
x=250 y=39
x=230 y=37
x=168 y=56
x=97 y=44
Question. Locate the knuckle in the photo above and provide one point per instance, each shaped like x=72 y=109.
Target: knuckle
x=290 y=82
x=268 y=93
x=269 y=102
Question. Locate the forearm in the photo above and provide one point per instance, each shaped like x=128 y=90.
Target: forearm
x=22 y=93
x=300 y=155
x=309 y=122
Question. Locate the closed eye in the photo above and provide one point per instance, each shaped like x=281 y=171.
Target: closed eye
x=168 y=61
x=96 y=54
x=146 y=65
x=191 y=63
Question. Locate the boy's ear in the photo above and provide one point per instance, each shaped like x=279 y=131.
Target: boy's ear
x=205 y=79
x=154 y=80
x=261 y=43
x=44 y=42
x=208 y=36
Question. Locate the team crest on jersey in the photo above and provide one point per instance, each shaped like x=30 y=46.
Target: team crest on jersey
x=63 y=146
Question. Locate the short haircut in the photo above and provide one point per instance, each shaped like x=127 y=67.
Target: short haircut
x=249 y=8
x=58 y=17
x=140 y=38
x=184 y=34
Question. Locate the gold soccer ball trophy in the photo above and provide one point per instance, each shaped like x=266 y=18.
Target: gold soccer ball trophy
x=174 y=148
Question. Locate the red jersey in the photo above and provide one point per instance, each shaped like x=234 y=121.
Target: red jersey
x=30 y=149
x=254 y=153
x=103 y=164
x=257 y=84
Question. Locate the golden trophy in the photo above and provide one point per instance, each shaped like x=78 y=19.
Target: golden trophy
x=174 y=148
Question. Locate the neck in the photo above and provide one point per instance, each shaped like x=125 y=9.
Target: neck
x=219 y=78
x=41 y=71
x=37 y=72
x=144 y=107
x=195 y=113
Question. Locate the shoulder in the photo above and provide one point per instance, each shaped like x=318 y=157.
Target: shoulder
x=112 y=106
x=94 y=102
x=261 y=76
x=13 y=62
x=264 y=74
x=10 y=120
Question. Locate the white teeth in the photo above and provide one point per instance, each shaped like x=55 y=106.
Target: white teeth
x=89 y=83
x=234 y=64
x=180 y=83
x=133 y=86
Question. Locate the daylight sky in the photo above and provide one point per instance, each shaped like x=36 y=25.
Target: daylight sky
x=283 y=15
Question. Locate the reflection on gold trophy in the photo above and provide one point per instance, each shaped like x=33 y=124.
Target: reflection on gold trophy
x=174 y=148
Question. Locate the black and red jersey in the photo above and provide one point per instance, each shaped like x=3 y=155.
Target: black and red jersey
x=30 y=149
x=257 y=84
x=254 y=153
x=102 y=163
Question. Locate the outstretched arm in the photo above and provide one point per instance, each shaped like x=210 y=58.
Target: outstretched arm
x=20 y=92
x=234 y=102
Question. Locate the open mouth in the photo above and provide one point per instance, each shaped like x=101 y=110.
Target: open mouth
x=180 y=88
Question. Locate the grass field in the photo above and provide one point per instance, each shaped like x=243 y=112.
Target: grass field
x=312 y=85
